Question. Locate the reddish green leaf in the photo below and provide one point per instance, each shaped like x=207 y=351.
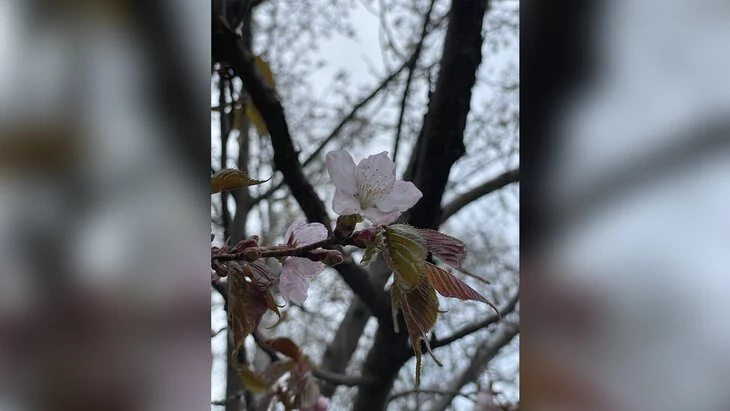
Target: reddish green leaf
x=446 y=248
x=253 y=382
x=276 y=370
x=249 y=296
x=420 y=309
x=286 y=347
x=231 y=179
x=405 y=253
x=450 y=286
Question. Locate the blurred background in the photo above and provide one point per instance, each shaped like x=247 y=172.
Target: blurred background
x=435 y=84
x=624 y=112
x=103 y=205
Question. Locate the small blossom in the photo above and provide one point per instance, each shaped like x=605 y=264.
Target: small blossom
x=369 y=188
x=296 y=273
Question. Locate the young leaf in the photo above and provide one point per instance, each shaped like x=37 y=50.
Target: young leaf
x=231 y=179
x=405 y=254
x=253 y=382
x=253 y=114
x=249 y=296
x=449 y=250
x=251 y=111
x=286 y=347
x=446 y=248
x=450 y=286
x=276 y=370
x=265 y=71
x=420 y=309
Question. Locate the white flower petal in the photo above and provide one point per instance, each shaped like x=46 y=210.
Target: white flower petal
x=304 y=267
x=379 y=217
x=344 y=203
x=341 y=168
x=404 y=196
x=375 y=178
x=309 y=233
x=292 y=286
x=292 y=228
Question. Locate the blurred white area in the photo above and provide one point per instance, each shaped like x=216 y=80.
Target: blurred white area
x=104 y=254
x=658 y=255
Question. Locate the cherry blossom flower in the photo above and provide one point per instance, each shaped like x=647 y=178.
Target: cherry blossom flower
x=369 y=188
x=296 y=273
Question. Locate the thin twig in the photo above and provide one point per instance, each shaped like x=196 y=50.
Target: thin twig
x=411 y=68
x=470 y=329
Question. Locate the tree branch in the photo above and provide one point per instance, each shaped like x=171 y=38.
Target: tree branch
x=411 y=68
x=479 y=191
x=340 y=379
x=470 y=329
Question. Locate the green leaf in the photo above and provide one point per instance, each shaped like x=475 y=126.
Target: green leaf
x=420 y=309
x=231 y=179
x=450 y=286
x=253 y=382
x=405 y=253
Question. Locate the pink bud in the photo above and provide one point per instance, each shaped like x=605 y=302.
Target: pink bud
x=364 y=238
x=252 y=241
x=328 y=257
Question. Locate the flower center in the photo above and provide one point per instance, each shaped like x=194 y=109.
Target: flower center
x=369 y=194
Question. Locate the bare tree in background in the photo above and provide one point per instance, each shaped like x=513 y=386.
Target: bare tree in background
x=460 y=152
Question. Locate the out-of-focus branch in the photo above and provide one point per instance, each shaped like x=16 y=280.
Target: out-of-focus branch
x=340 y=379
x=411 y=68
x=471 y=329
x=479 y=191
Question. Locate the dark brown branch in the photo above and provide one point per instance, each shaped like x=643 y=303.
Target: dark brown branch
x=479 y=191
x=442 y=135
x=471 y=329
x=339 y=379
x=225 y=131
x=411 y=68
